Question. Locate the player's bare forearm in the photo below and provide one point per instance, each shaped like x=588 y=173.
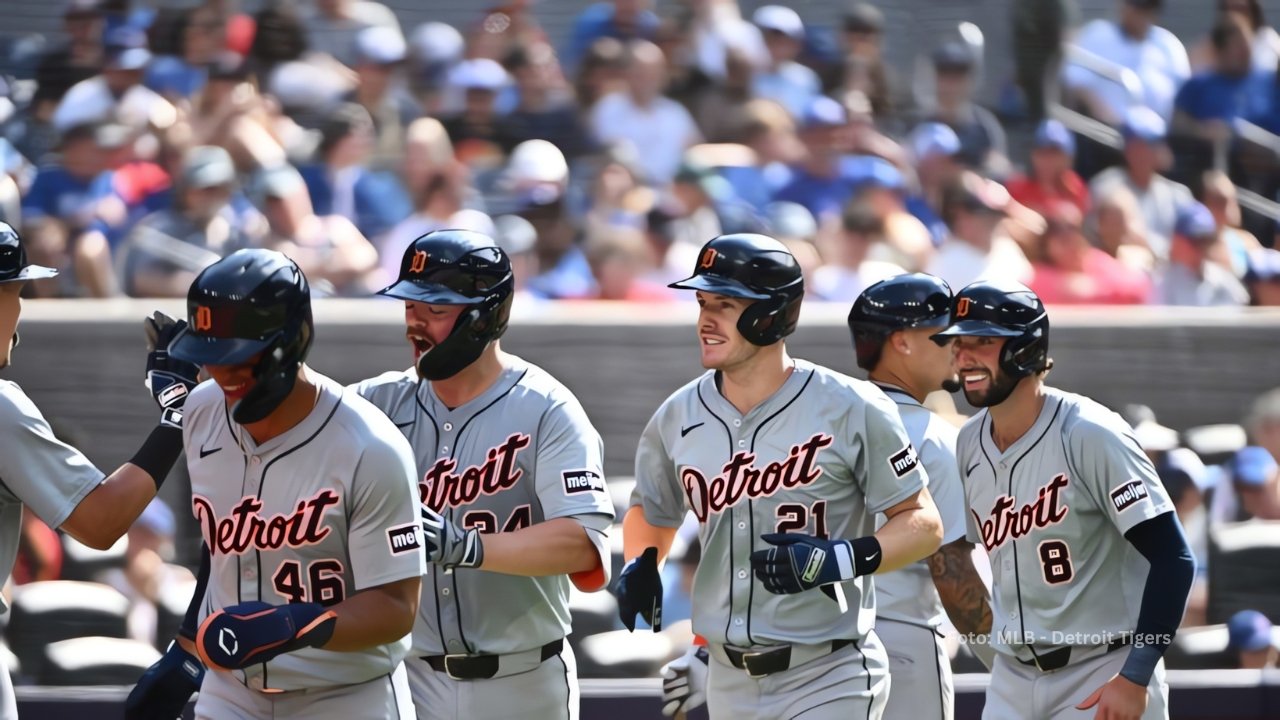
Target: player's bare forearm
x=638 y=533
x=913 y=532
x=555 y=547
x=106 y=513
x=960 y=587
x=376 y=616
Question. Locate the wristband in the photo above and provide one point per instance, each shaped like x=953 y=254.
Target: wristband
x=159 y=452
x=866 y=555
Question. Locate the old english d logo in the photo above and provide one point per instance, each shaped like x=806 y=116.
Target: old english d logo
x=962 y=307
x=204 y=318
x=419 y=262
x=708 y=258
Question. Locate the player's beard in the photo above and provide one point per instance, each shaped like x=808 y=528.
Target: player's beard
x=999 y=388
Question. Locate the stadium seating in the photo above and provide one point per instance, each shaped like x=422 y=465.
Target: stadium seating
x=48 y=612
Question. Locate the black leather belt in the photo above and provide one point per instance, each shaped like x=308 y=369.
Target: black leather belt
x=482 y=667
x=1060 y=658
x=769 y=660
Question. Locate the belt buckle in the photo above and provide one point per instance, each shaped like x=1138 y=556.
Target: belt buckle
x=448 y=670
x=749 y=655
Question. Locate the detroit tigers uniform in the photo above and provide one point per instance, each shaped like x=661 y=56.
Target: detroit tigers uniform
x=41 y=472
x=821 y=456
x=1051 y=512
x=909 y=612
x=521 y=453
x=316 y=514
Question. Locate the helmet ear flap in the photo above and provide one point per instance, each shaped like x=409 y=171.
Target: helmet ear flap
x=765 y=322
x=1027 y=354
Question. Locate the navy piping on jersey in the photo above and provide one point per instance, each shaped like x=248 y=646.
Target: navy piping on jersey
x=568 y=691
x=937 y=665
x=395 y=698
x=262 y=480
x=729 y=435
x=452 y=453
x=751 y=587
x=871 y=698
x=890 y=390
x=435 y=576
x=1017 y=577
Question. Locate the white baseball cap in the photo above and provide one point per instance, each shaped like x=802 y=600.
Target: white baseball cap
x=537 y=161
x=780 y=18
x=380 y=45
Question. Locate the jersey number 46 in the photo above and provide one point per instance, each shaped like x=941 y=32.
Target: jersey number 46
x=324 y=581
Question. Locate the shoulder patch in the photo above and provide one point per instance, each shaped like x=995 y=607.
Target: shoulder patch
x=580 y=481
x=404 y=538
x=904 y=461
x=1127 y=494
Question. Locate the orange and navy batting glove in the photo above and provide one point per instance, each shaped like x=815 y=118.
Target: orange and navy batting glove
x=241 y=635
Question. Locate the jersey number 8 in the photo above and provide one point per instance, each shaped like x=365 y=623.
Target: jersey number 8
x=1055 y=561
x=325 y=581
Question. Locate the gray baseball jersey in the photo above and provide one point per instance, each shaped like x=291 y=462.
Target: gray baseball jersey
x=323 y=511
x=820 y=456
x=37 y=470
x=908 y=595
x=520 y=453
x=1051 y=512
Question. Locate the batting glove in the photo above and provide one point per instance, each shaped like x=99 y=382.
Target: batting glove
x=164 y=689
x=448 y=545
x=799 y=562
x=169 y=379
x=639 y=590
x=241 y=635
x=684 y=682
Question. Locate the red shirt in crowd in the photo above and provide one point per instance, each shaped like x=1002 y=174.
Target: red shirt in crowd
x=1105 y=281
x=1072 y=189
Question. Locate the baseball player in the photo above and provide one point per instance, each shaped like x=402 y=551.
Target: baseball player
x=1090 y=567
x=305 y=496
x=56 y=481
x=512 y=486
x=892 y=323
x=784 y=464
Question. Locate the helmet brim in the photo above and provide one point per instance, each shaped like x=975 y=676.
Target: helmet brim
x=977 y=328
x=719 y=286
x=205 y=350
x=32 y=272
x=429 y=293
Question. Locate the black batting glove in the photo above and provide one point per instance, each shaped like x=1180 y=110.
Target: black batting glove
x=169 y=379
x=639 y=590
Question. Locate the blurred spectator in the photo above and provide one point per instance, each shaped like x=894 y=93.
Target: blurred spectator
x=1040 y=27
x=816 y=182
x=982 y=140
x=717 y=108
x=436 y=48
x=1118 y=229
x=279 y=36
x=1237 y=243
x=864 y=137
x=657 y=125
x=619 y=261
x=709 y=31
x=864 y=67
x=623 y=20
x=80 y=58
x=1210 y=102
x=1051 y=178
x=474 y=129
x=1250 y=636
x=537 y=177
x=1146 y=156
x=1133 y=42
x=65 y=198
x=601 y=73
x=545 y=108
x=934 y=149
x=503 y=29
x=334 y=25
x=380 y=54
x=332 y=253
x=973 y=209
x=517 y=238
x=1263 y=39
x=880 y=186
x=1191 y=277
x=848 y=270
x=147 y=569
x=616 y=197
x=1263 y=278
x=167 y=249
x=1251 y=490
x=117 y=93
x=232 y=114
x=340 y=181
x=768 y=133
x=702 y=206
x=784 y=81
x=39 y=555
x=1263 y=422
x=1071 y=271
x=199 y=34
x=793 y=226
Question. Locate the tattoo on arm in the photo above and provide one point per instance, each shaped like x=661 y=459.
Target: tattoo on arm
x=963 y=594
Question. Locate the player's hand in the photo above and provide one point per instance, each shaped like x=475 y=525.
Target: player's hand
x=169 y=379
x=684 y=682
x=241 y=635
x=1119 y=699
x=164 y=689
x=639 y=590
x=799 y=562
x=447 y=544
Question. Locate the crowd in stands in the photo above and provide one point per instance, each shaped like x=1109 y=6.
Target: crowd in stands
x=142 y=145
